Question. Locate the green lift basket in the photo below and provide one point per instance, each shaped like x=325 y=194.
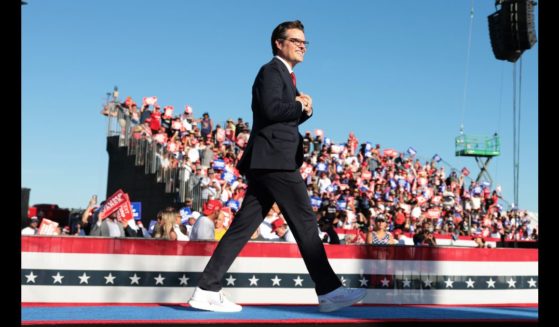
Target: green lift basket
x=479 y=147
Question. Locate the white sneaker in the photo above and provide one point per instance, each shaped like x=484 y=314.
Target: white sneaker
x=339 y=298
x=212 y=301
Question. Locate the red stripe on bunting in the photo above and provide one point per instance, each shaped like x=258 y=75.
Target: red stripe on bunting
x=70 y=244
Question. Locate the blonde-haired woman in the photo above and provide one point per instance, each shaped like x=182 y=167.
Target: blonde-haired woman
x=166 y=230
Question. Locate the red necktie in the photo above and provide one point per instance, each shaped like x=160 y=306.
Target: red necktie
x=293 y=79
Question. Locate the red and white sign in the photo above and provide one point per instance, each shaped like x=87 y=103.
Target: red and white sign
x=390 y=153
x=112 y=204
x=188 y=109
x=434 y=213
x=47 y=227
x=150 y=100
x=168 y=111
x=124 y=212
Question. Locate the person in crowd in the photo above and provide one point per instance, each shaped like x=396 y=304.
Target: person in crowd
x=90 y=215
x=155 y=120
x=206 y=126
x=166 y=224
x=186 y=210
x=220 y=228
x=77 y=229
x=141 y=230
x=111 y=226
x=424 y=235
x=32 y=228
x=327 y=221
x=280 y=228
x=266 y=225
x=378 y=235
x=191 y=220
x=204 y=227
x=479 y=241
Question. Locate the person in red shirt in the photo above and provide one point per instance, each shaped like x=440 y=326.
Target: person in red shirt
x=400 y=219
x=155 y=120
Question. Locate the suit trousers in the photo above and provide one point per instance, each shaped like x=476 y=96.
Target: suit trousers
x=289 y=191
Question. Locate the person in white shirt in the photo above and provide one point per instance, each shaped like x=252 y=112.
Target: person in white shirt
x=204 y=227
x=33 y=228
x=266 y=227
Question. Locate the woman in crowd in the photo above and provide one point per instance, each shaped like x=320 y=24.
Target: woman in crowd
x=378 y=234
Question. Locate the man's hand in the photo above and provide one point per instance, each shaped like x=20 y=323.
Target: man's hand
x=306 y=100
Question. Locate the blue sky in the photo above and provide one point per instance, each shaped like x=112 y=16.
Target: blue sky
x=393 y=72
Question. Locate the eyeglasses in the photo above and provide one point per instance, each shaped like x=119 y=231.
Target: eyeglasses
x=298 y=42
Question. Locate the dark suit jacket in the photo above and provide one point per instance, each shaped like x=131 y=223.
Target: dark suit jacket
x=275 y=141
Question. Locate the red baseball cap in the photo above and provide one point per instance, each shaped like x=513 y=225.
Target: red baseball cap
x=211 y=206
x=277 y=224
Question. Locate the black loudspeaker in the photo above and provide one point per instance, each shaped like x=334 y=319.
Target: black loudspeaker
x=526 y=26
x=501 y=37
x=512 y=29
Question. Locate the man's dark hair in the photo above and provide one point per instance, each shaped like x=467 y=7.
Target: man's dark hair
x=279 y=32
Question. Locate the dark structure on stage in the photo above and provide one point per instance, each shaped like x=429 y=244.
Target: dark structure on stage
x=142 y=186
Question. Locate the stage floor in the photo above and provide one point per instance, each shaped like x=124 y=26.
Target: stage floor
x=268 y=315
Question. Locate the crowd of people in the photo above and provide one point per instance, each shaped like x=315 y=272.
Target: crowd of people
x=377 y=196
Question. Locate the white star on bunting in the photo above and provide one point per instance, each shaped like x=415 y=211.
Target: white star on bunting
x=276 y=281
x=159 y=279
x=511 y=282
x=298 y=281
x=364 y=281
x=231 y=280
x=135 y=279
x=427 y=282
x=532 y=282
x=31 y=277
x=385 y=282
x=449 y=283
x=184 y=280
x=406 y=282
x=343 y=280
x=470 y=283
x=253 y=281
x=57 y=278
x=490 y=283
x=110 y=279
x=84 y=278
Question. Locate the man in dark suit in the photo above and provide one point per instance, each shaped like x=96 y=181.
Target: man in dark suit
x=270 y=162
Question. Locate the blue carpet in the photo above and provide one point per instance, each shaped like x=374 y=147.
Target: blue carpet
x=273 y=314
